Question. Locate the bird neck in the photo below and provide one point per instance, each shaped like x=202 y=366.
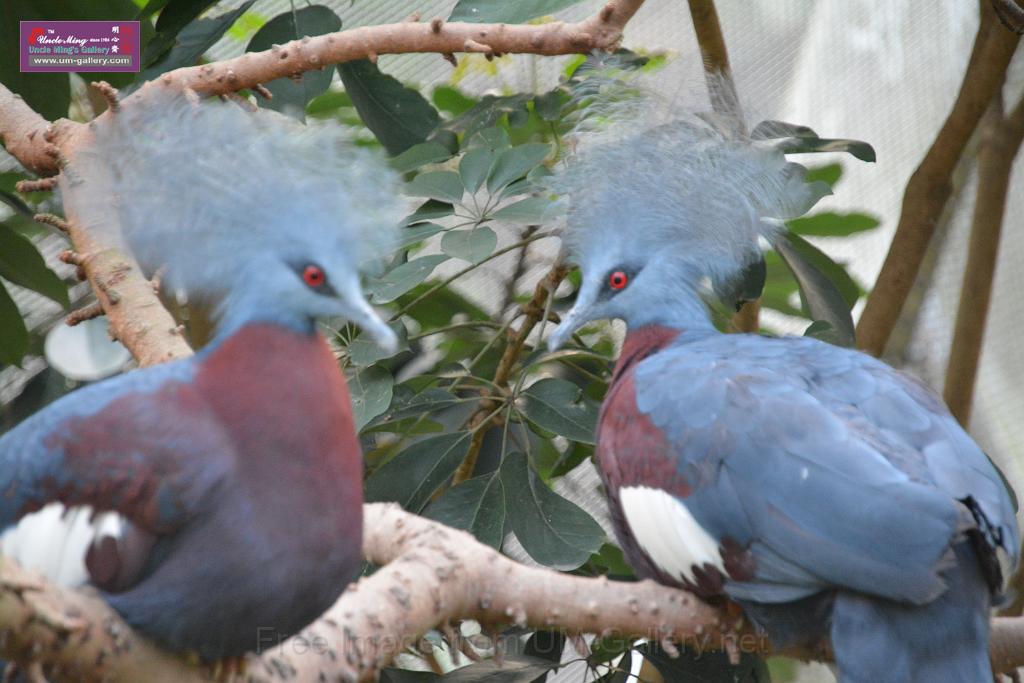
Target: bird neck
x=240 y=310
x=677 y=306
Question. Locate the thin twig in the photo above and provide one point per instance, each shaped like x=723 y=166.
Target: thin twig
x=534 y=312
x=52 y=220
x=468 y=269
x=38 y=185
x=109 y=93
x=93 y=310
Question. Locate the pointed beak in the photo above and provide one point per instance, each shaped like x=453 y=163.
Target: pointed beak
x=359 y=311
x=579 y=314
x=564 y=330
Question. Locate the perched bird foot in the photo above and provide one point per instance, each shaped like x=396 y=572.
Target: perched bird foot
x=227 y=669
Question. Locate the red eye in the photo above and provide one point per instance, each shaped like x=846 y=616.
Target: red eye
x=313 y=276
x=618 y=280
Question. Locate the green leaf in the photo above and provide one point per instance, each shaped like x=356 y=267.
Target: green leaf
x=328 y=104
x=554 y=531
x=452 y=100
x=529 y=211
x=819 y=329
x=477 y=506
x=364 y=351
x=177 y=14
x=151 y=8
x=371 y=390
x=428 y=400
x=441 y=307
x=828 y=174
x=429 y=210
x=399 y=116
x=400 y=280
x=14 y=201
x=470 y=245
x=506 y=11
x=192 y=42
x=611 y=558
x=857 y=148
x=560 y=406
x=441 y=185
x=549 y=105
x=22 y=264
x=292 y=95
x=406 y=426
x=817 y=276
x=516 y=162
x=488 y=113
x=494 y=139
x=13 y=334
x=415 y=474
x=420 y=155
x=412 y=234
x=174 y=17
x=473 y=167
x=831 y=224
x=836 y=274
x=779 y=286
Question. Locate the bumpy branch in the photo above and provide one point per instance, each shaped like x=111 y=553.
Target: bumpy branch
x=929 y=187
x=129 y=300
x=431 y=575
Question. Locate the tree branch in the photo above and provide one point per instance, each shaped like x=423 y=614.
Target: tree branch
x=430 y=575
x=534 y=311
x=929 y=187
x=599 y=32
x=1000 y=141
x=134 y=311
x=725 y=99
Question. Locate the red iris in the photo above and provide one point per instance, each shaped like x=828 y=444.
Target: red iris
x=313 y=276
x=618 y=280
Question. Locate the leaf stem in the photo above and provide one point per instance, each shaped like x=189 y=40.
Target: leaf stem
x=468 y=269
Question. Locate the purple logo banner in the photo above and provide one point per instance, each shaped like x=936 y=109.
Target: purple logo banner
x=65 y=46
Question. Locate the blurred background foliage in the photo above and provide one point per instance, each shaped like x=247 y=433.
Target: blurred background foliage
x=472 y=422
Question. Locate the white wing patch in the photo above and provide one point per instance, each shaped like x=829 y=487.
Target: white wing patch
x=54 y=541
x=667 y=532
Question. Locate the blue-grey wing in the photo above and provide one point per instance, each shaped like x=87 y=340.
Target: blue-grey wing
x=142 y=444
x=831 y=467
